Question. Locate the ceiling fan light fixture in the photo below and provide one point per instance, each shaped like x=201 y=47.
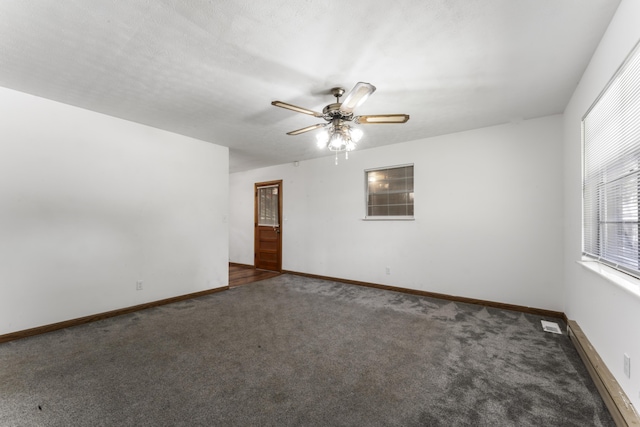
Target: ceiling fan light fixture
x=337 y=142
x=322 y=138
x=339 y=138
x=355 y=133
x=350 y=146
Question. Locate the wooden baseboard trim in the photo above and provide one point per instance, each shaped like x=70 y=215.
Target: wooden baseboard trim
x=513 y=307
x=621 y=409
x=101 y=316
x=237 y=264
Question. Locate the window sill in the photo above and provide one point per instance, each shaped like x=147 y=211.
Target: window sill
x=389 y=218
x=622 y=280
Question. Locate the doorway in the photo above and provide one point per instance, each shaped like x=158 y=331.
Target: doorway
x=268 y=225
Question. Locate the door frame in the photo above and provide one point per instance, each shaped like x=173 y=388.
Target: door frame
x=277 y=183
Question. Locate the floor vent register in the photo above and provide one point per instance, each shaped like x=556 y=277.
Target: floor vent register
x=551 y=327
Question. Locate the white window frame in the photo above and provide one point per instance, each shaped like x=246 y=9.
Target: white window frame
x=410 y=193
x=611 y=172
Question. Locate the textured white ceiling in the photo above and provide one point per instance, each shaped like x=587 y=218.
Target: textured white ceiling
x=210 y=69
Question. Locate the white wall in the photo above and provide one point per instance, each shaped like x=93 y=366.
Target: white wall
x=608 y=315
x=488 y=216
x=90 y=204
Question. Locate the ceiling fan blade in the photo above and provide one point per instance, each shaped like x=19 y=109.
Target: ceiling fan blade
x=381 y=118
x=307 y=129
x=296 y=108
x=356 y=96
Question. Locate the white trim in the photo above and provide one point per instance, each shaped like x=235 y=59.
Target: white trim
x=389 y=167
x=619 y=71
x=389 y=218
x=618 y=278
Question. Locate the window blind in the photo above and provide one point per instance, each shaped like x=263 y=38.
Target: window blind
x=611 y=180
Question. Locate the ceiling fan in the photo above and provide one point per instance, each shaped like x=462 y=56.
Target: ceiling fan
x=338 y=133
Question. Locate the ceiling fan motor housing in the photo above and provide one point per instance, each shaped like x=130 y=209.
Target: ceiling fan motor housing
x=333 y=110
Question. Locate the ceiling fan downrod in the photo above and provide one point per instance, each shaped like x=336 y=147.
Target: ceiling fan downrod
x=337 y=92
x=333 y=110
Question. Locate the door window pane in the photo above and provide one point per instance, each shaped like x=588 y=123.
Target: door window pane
x=268 y=206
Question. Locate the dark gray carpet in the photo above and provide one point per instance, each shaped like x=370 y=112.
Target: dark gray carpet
x=303 y=352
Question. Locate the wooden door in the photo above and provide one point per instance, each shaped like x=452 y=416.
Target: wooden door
x=268 y=225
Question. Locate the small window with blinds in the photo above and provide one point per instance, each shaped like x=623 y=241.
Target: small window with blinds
x=389 y=192
x=611 y=172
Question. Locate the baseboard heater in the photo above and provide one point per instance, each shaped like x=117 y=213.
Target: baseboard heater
x=621 y=409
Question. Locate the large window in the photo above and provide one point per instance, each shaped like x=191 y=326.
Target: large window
x=390 y=192
x=611 y=185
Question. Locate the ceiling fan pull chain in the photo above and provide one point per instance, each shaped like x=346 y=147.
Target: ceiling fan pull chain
x=336 y=158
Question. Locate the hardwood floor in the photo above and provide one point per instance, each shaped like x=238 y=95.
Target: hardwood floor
x=240 y=274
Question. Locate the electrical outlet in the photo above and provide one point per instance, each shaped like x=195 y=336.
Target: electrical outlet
x=139 y=285
x=627 y=365
x=388 y=270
